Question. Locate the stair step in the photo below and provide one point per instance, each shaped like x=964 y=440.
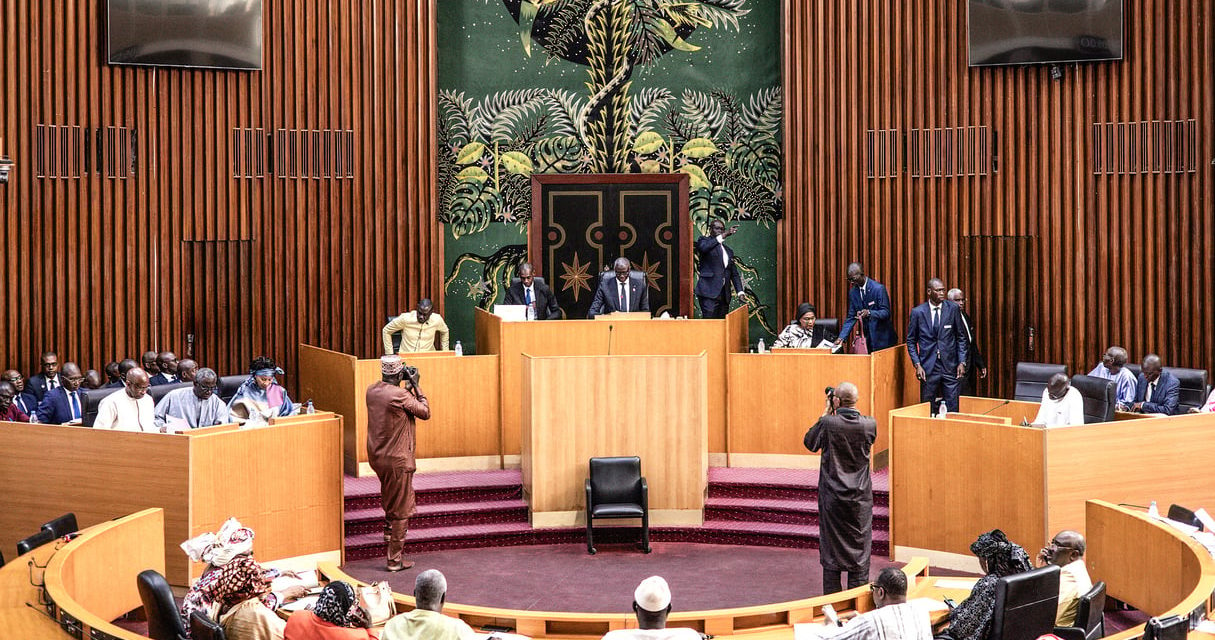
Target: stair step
x=429 y=516
x=777 y=504
x=776 y=528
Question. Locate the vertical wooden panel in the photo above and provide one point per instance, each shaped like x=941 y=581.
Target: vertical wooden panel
x=1121 y=257
x=163 y=238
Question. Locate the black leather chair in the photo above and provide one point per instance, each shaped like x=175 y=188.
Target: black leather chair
x=615 y=489
x=1 y=558
x=1100 y=397
x=1179 y=513
x=62 y=525
x=1090 y=616
x=92 y=399
x=1194 y=389
x=229 y=384
x=1170 y=628
x=539 y=280
x=160 y=391
x=1026 y=604
x=164 y=622
x=1134 y=368
x=33 y=542
x=202 y=627
x=1032 y=378
x=831 y=326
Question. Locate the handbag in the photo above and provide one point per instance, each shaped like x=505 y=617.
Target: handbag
x=375 y=600
x=859 y=345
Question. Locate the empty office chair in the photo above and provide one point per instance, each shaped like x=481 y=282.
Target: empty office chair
x=1032 y=378
x=831 y=326
x=1090 y=617
x=1100 y=397
x=1170 y=628
x=1026 y=604
x=1179 y=513
x=1194 y=390
x=161 y=390
x=229 y=384
x=62 y=525
x=92 y=400
x=33 y=542
x=202 y=627
x=615 y=489
x=164 y=622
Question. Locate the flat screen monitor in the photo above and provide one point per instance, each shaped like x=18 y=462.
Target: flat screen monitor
x=214 y=34
x=1004 y=32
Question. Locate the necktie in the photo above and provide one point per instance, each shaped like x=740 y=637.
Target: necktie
x=527 y=296
x=1151 y=390
x=936 y=319
x=51 y=383
x=75 y=403
x=622 y=306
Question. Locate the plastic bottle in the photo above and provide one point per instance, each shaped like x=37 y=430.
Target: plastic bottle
x=459 y=348
x=761 y=348
x=1153 y=511
x=944 y=413
x=309 y=408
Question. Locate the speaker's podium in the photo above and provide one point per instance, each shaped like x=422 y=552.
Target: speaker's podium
x=575 y=408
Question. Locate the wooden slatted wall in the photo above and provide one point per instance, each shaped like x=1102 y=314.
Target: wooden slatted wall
x=1122 y=256
x=176 y=225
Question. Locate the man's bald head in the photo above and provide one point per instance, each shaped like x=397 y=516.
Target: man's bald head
x=1065 y=548
x=149 y=362
x=1057 y=386
x=847 y=394
x=71 y=377
x=1152 y=365
x=856 y=274
x=186 y=370
x=138 y=383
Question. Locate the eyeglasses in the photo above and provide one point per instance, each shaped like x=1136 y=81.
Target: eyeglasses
x=206 y=387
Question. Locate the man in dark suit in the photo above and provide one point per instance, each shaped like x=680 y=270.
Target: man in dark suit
x=626 y=292
x=869 y=304
x=48 y=379
x=24 y=400
x=65 y=403
x=976 y=366
x=937 y=346
x=167 y=361
x=536 y=295
x=123 y=367
x=1157 y=391
x=716 y=271
x=150 y=363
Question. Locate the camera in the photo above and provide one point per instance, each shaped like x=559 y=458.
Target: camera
x=411 y=373
x=829 y=391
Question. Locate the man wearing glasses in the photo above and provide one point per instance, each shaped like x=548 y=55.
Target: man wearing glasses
x=65 y=403
x=131 y=409
x=893 y=619
x=192 y=407
x=1066 y=550
x=1062 y=404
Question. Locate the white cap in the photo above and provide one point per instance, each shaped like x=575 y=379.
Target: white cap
x=653 y=594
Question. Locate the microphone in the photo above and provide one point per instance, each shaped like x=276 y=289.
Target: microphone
x=609 y=349
x=995 y=407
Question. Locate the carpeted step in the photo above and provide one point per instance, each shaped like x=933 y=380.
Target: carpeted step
x=441 y=488
x=780 y=484
x=778 y=511
x=369 y=545
x=777 y=534
x=430 y=516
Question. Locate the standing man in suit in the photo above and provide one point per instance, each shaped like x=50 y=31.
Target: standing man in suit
x=536 y=295
x=64 y=403
x=717 y=271
x=976 y=366
x=1158 y=391
x=869 y=304
x=626 y=292
x=937 y=346
x=48 y=379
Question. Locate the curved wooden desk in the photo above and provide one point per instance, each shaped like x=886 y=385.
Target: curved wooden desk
x=761 y=621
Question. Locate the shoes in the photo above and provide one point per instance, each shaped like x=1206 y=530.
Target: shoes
x=400 y=566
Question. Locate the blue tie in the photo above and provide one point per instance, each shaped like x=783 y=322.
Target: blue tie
x=75 y=404
x=527 y=296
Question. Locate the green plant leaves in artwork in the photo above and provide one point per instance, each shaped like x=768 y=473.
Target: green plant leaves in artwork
x=699 y=148
x=667 y=32
x=516 y=163
x=698 y=178
x=470 y=153
x=527 y=17
x=648 y=142
x=476 y=174
x=651 y=166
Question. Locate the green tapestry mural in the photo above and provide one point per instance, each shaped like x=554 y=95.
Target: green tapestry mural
x=605 y=86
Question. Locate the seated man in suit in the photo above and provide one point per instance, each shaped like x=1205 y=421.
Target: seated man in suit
x=63 y=404
x=1113 y=367
x=123 y=367
x=937 y=346
x=8 y=410
x=626 y=292
x=1062 y=403
x=1157 y=391
x=868 y=304
x=716 y=271
x=92 y=379
x=167 y=362
x=149 y=363
x=187 y=369
x=537 y=296
x=48 y=379
x=25 y=401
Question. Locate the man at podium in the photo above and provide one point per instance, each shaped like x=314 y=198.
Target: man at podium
x=534 y=295
x=628 y=291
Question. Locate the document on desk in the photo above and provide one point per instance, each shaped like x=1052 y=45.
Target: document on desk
x=929 y=604
x=813 y=631
x=960 y=584
x=300 y=604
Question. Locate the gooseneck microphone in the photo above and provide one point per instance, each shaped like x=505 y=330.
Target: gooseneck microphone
x=609 y=349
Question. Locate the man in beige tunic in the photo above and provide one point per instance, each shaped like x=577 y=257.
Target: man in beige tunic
x=391 y=411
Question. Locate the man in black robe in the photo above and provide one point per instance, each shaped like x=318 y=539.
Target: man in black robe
x=845 y=491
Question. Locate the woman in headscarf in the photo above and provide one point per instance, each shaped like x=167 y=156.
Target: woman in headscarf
x=335 y=616
x=998 y=557
x=260 y=397
x=802 y=333
x=235 y=590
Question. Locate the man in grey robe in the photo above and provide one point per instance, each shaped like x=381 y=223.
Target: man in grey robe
x=193 y=407
x=845 y=490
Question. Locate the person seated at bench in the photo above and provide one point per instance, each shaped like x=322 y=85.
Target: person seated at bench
x=652 y=605
x=894 y=618
x=130 y=409
x=1208 y=406
x=335 y=616
x=260 y=397
x=193 y=407
x=427 y=622
x=1062 y=403
x=8 y=409
x=1066 y=549
x=998 y=557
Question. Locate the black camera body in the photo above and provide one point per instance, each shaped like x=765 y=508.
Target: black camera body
x=830 y=392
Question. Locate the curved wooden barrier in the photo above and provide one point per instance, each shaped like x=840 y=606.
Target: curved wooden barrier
x=1147 y=563
x=740 y=621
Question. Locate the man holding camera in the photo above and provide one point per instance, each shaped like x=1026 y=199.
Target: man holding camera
x=391 y=437
x=845 y=491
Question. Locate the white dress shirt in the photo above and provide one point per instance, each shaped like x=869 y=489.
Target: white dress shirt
x=120 y=412
x=1067 y=410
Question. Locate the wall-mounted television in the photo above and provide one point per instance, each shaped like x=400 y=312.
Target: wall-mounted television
x=213 y=34
x=1012 y=32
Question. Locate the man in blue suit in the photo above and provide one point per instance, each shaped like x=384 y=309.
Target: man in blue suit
x=40 y=383
x=626 y=292
x=869 y=304
x=1157 y=390
x=64 y=403
x=25 y=401
x=716 y=271
x=937 y=344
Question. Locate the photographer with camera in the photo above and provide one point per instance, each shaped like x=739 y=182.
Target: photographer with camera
x=845 y=491
x=391 y=439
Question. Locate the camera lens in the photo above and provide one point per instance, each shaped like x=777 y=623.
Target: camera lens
x=829 y=390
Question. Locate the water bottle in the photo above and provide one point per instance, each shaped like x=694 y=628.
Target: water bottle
x=1153 y=511
x=459 y=348
x=309 y=409
x=761 y=348
x=944 y=412
x=529 y=312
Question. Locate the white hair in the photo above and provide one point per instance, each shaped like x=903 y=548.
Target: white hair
x=429 y=588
